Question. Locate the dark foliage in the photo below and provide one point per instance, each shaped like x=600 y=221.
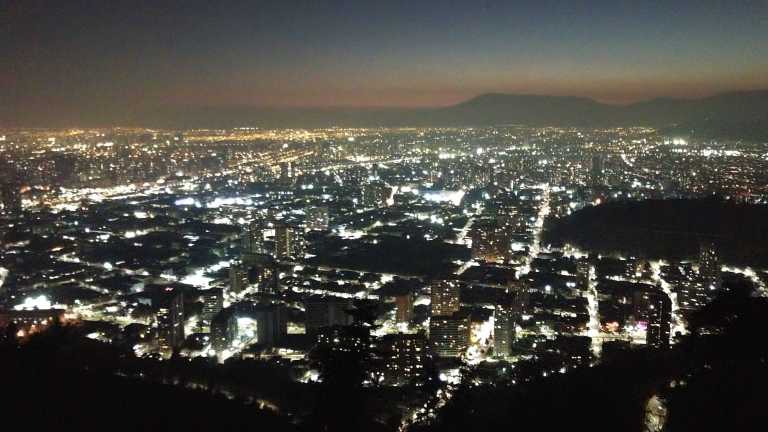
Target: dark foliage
x=669 y=228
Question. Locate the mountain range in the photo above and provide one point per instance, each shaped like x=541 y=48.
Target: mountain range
x=735 y=115
x=739 y=115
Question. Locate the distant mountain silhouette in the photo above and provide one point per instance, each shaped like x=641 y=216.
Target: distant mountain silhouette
x=742 y=114
x=723 y=109
x=735 y=115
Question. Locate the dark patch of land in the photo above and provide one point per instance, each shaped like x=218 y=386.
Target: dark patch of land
x=413 y=256
x=671 y=229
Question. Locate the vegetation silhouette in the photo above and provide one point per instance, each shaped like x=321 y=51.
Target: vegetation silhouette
x=671 y=229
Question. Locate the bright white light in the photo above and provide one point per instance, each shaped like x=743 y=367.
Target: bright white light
x=186 y=202
x=218 y=202
x=3 y=275
x=30 y=303
x=444 y=196
x=246 y=329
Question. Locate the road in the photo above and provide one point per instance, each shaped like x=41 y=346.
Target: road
x=593 y=326
x=678 y=323
x=538 y=229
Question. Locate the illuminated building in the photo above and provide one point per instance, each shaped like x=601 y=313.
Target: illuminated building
x=29 y=321
x=491 y=240
x=317 y=218
x=582 y=273
x=238 y=277
x=213 y=303
x=253 y=239
x=286 y=173
x=170 y=320
x=261 y=272
x=709 y=266
x=505 y=318
x=596 y=173
x=326 y=312
x=265 y=276
x=656 y=311
x=403 y=356
x=288 y=241
x=445 y=298
x=223 y=330
x=449 y=335
x=343 y=338
x=246 y=322
x=404 y=307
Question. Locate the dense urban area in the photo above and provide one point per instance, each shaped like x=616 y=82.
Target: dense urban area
x=310 y=275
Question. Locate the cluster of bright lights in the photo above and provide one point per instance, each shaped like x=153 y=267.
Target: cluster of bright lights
x=453 y=197
x=32 y=303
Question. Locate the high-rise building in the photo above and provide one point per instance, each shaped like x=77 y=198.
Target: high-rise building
x=170 y=319
x=326 y=312
x=223 y=330
x=238 y=277
x=253 y=239
x=709 y=266
x=449 y=335
x=583 y=267
x=265 y=276
x=286 y=172
x=288 y=241
x=445 y=298
x=239 y=320
x=213 y=303
x=507 y=314
x=656 y=311
x=404 y=307
x=317 y=218
x=262 y=272
x=596 y=173
x=404 y=356
x=504 y=319
x=343 y=338
x=272 y=324
x=491 y=241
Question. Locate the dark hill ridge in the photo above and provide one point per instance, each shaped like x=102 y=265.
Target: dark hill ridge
x=669 y=229
x=498 y=108
x=738 y=115
x=565 y=111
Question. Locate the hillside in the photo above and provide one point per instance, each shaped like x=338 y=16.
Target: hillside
x=668 y=229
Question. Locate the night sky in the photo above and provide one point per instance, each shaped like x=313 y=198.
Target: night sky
x=108 y=55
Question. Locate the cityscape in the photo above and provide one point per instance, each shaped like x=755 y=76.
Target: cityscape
x=432 y=216
x=422 y=251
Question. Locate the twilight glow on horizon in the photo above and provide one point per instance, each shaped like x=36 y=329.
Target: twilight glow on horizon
x=62 y=55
